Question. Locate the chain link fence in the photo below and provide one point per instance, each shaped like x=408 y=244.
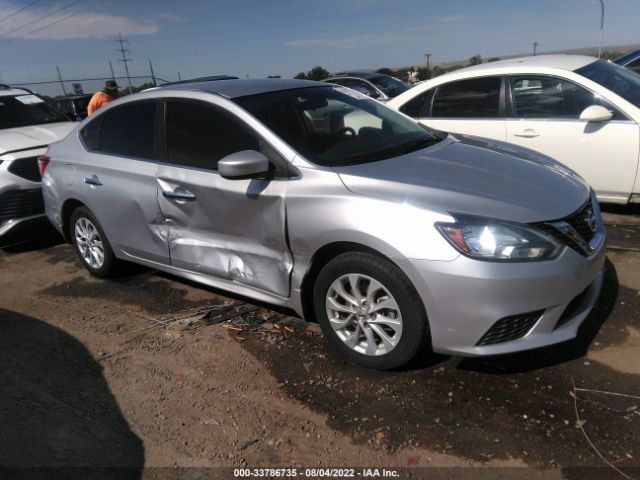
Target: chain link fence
x=64 y=88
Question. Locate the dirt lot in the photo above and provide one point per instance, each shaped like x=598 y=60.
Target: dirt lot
x=127 y=373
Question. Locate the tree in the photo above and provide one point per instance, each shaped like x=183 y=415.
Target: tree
x=386 y=71
x=301 y=76
x=423 y=73
x=453 y=67
x=475 y=60
x=493 y=59
x=317 y=73
x=437 y=70
x=611 y=55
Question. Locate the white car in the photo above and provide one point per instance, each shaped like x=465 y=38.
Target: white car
x=27 y=126
x=579 y=110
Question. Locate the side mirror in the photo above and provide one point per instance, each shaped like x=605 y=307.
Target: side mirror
x=244 y=164
x=596 y=113
x=374 y=94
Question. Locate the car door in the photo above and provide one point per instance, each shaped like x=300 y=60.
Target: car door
x=545 y=116
x=471 y=106
x=230 y=229
x=117 y=178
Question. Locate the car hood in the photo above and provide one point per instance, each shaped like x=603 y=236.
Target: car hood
x=474 y=176
x=22 y=138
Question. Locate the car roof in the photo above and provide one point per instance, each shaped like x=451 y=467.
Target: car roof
x=7 y=90
x=561 y=61
x=243 y=88
x=358 y=74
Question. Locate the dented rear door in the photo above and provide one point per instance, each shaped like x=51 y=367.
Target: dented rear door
x=231 y=229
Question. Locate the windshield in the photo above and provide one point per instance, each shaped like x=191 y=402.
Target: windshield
x=392 y=87
x=627 y=58
x=337 y=126
x=23 y=110
x=614 y=77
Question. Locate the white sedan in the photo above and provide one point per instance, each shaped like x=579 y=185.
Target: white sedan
x=582 y=111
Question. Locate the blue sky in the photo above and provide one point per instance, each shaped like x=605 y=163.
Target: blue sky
x=282 y=37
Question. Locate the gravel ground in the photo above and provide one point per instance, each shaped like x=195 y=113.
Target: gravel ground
x=128 y=373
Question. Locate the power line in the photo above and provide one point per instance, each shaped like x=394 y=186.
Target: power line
x=50 y=24
x=42 y=18
x=19 y=10
x=124 y=59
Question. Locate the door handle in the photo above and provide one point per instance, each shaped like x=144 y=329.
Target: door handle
x=93 y=180
x=180 y=194
x=526 y=133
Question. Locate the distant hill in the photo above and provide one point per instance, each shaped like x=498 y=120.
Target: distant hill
x=593 y=51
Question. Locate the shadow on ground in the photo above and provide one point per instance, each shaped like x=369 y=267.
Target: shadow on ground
x=58 y=418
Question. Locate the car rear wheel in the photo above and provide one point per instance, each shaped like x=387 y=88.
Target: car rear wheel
x=91 y=244
x=369 y=311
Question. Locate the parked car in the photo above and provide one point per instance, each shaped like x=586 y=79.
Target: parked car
x=201 y=79
x=578 y=110
x=27 y=125
x=630 y=60
x=74 y=107
x=375 y=85
x=390 y=235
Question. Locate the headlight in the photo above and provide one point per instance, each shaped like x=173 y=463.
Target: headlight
x=489 y=239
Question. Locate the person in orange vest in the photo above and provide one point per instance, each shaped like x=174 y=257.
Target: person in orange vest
x=100 y=99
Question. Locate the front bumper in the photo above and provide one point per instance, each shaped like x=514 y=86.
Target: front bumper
x=464 y=298
x=21 y=203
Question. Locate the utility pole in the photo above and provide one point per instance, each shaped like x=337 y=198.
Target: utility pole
x=153 y=75
x=179 y=77
x=535 y=48
x=601 y=28
x=61 y=82
x=428 y=55
x=113 y=75
x=123 y=51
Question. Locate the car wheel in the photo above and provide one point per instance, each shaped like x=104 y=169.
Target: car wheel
x=369 y=311
x=91 y=244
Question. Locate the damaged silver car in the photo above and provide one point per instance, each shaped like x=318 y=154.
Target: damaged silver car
x=314 y=197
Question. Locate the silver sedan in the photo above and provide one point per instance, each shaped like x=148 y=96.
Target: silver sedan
x=394 y=238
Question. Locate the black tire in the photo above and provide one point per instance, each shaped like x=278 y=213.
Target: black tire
x=415 y=327
x=110 y=265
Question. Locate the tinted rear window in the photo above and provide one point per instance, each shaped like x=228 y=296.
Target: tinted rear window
x=129 y=130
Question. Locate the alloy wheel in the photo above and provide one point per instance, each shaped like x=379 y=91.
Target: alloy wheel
x=364 y=314
x=89 y=243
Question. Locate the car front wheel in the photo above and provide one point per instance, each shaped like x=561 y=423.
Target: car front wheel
x=369 y=311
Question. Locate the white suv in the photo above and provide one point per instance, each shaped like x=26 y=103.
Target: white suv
x=27 y=126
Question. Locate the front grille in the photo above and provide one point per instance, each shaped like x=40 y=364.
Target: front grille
x=575 y=230
x=510 y=328
x=20 y=203
x=572 y=309
x=580 y=224
x=26 y=168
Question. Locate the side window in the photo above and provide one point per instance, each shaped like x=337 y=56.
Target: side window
x=90 y=134
x=198 y=135
x=549 y=97
x=473 y=98
x=129 y=130
x=635 y=65
x=418 y=106
x=360 y=86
